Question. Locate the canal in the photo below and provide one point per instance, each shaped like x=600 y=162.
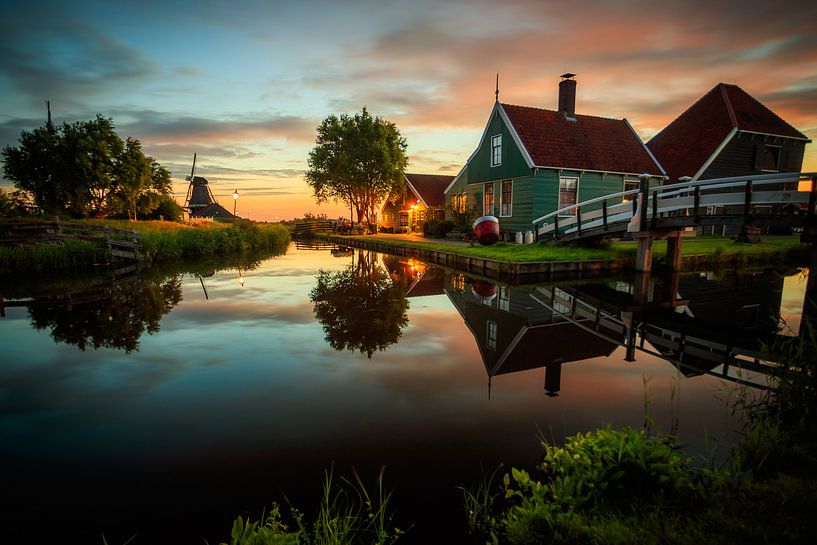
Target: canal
x=162 y=405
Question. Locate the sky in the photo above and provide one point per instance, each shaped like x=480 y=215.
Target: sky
x=244 y=84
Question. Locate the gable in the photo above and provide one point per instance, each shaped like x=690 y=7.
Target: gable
x=429 y=188
x=693 y=139
x=514 y=162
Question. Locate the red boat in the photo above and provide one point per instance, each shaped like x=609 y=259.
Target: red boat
x=483 y=291
x=486 y=230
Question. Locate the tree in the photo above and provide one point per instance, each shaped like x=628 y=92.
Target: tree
x=85 y=169
x=361 y=308
x=358 y=160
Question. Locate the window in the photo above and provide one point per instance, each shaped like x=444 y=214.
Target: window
x=568 y=191
x=506 y=199
x=504 y=298
x=496 y=150
x=767 y=158
x=490 y=340
x=488 y=206
x=628 y=185
x=458 y=201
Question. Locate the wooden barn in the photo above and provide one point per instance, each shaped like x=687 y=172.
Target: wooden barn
x=530 y=161
x=422 y=200
x=725 y=133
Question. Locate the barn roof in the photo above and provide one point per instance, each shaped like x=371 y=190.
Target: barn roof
x=693 y=137
x=582 y=142
x=429 y=187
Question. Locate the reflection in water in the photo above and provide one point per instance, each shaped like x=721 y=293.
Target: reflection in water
x=701 y=322
x=361 y=307
x=113 y=315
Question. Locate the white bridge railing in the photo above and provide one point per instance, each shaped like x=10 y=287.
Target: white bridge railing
x=692 y=197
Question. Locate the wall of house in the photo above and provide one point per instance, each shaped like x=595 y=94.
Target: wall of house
x=738 y=156
x=513 y=163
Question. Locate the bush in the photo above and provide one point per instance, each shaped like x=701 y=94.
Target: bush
x=437 y=228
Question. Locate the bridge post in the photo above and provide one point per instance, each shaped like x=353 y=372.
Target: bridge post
x=674 y=251
x=643 y=256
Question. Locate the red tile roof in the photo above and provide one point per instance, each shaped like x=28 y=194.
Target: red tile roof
x=686 y=143
x=431 y=187
x=586 y=143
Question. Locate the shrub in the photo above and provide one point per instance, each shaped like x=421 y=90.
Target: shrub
x=436 y=228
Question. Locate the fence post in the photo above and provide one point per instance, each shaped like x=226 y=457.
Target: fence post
x=697 y=207
x=579 y=220
x=556 y=226
x=643 y=194
x=747 y=201
x=604 y=213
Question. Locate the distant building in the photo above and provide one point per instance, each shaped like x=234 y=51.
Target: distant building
x=728 y=133
x=422 y=200
x=530 y=162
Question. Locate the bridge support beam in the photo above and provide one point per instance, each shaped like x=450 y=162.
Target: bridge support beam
x=643 y=256
x=674 y=251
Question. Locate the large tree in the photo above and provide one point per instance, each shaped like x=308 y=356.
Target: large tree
x=358 y=160
x=85 y=169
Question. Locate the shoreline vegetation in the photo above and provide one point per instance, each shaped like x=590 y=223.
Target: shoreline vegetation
x=162 y=241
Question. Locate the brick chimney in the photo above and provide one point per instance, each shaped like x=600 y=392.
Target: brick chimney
x=567 y=96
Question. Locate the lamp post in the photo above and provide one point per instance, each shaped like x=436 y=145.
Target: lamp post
x=235 y=200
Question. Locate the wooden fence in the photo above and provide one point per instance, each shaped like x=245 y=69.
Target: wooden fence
x=117 y=242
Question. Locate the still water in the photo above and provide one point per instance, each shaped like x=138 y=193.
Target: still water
x=165 y=405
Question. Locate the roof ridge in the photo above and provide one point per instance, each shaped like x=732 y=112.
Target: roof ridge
x=557 y=112
x=426 y=174
x=732 y=117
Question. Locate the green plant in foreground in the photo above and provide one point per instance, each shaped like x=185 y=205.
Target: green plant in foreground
x=348 y=514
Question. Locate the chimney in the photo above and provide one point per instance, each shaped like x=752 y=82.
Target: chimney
x=567 y=96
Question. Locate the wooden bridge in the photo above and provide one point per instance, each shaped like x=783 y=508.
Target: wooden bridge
x=116 y=242
x=669 y=335
x=664 y=211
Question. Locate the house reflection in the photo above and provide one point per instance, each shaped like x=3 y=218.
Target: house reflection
x=700 y=322
x=515 y=333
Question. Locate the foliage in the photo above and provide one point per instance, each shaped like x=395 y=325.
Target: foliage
x=358 y=160
x=361 y=307
x=85 y=169
x=110 y=315
x=436 y=228
x=348 y=514
x=15 y=204
x=162 y=241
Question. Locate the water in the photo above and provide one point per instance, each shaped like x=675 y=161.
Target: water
x=166 y=405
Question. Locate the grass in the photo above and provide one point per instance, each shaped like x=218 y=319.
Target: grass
x=717 y=248
x=348 y=514
x=162 y=241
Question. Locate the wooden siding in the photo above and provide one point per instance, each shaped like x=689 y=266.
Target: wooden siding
x=524 y=190
x=513 y=163
x=738 y=156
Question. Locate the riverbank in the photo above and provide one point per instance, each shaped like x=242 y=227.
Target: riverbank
x=520 y=262
x=160 y=241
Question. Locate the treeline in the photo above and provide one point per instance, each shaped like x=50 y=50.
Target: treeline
x=85 y=169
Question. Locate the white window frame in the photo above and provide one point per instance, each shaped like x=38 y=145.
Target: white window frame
x=505 y=298
x=485 y=211
x=491 y=335
x=559 y=204
x=628 y=198
x=496 y=150
x=502 y=203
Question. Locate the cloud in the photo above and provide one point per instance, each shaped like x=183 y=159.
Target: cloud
x=65 y=57
x=168 y=128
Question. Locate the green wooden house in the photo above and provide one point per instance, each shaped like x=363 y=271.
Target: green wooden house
x=531 y=162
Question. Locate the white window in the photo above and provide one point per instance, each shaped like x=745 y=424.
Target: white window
x=628 y=185
x=504 y=298
x=490 y=340
x=568 y=192
x=488 y=200
x=506 y=199
x=496 y=150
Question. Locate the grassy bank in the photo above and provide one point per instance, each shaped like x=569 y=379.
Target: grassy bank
x=715 y=248
x=162 y=241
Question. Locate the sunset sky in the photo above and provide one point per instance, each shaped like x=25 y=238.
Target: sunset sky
x=244 y=84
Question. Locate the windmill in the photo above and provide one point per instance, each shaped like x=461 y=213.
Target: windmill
x=199 y=196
